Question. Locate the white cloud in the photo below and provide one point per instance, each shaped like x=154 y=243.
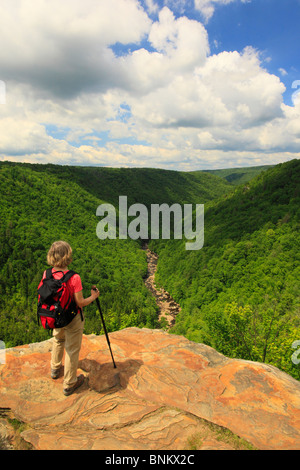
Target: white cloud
x=173 y=105
x=226 y=91
x=62 y=47
x=180 y=45
x=152 y=7
x=184 y=39
x=207 y=7
x=282 y=71
x=178 y=6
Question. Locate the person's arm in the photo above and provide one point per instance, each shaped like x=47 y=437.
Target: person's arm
x=81 y=302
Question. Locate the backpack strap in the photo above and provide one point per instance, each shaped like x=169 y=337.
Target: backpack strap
x=48 y=273
x=65 y=277
x=68 y=275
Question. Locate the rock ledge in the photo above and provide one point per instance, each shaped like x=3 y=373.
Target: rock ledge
x=166 y=393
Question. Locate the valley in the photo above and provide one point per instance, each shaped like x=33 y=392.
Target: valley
x=238 y=294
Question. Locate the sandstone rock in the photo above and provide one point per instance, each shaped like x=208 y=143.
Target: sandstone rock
x=163 y=395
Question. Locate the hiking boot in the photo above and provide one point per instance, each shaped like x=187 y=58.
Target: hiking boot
x=55 y=373
x=68 y=391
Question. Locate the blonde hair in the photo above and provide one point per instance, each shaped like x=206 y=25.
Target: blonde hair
x=60 y=254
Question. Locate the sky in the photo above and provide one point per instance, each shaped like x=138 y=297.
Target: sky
x=181 y=85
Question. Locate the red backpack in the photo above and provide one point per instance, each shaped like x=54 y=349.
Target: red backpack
x=56 y=308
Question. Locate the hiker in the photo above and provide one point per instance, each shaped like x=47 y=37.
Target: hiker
x=69 y=337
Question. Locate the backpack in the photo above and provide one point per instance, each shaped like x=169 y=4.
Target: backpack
x=56 y=308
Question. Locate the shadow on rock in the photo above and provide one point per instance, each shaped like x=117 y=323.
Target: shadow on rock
x=104 y=377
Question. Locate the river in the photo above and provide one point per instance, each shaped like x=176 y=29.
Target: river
x=168 y=308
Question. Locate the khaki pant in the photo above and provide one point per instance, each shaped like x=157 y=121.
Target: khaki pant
x=68 y=338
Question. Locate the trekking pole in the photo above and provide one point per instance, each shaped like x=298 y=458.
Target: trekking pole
x=104 y=327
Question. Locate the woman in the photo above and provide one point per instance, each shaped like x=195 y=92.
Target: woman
x=68 y=338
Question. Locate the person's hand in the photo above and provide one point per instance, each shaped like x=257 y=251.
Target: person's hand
x=95 y=292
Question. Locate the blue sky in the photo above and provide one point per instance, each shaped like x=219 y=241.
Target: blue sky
x=272 y=27
x=183 y=84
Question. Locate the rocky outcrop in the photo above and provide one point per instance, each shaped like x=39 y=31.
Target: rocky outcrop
x=166 y=393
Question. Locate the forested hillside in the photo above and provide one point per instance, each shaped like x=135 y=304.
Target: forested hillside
x=43 y=203
x=143 y=185
x=240 y=293
x=238 y=176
